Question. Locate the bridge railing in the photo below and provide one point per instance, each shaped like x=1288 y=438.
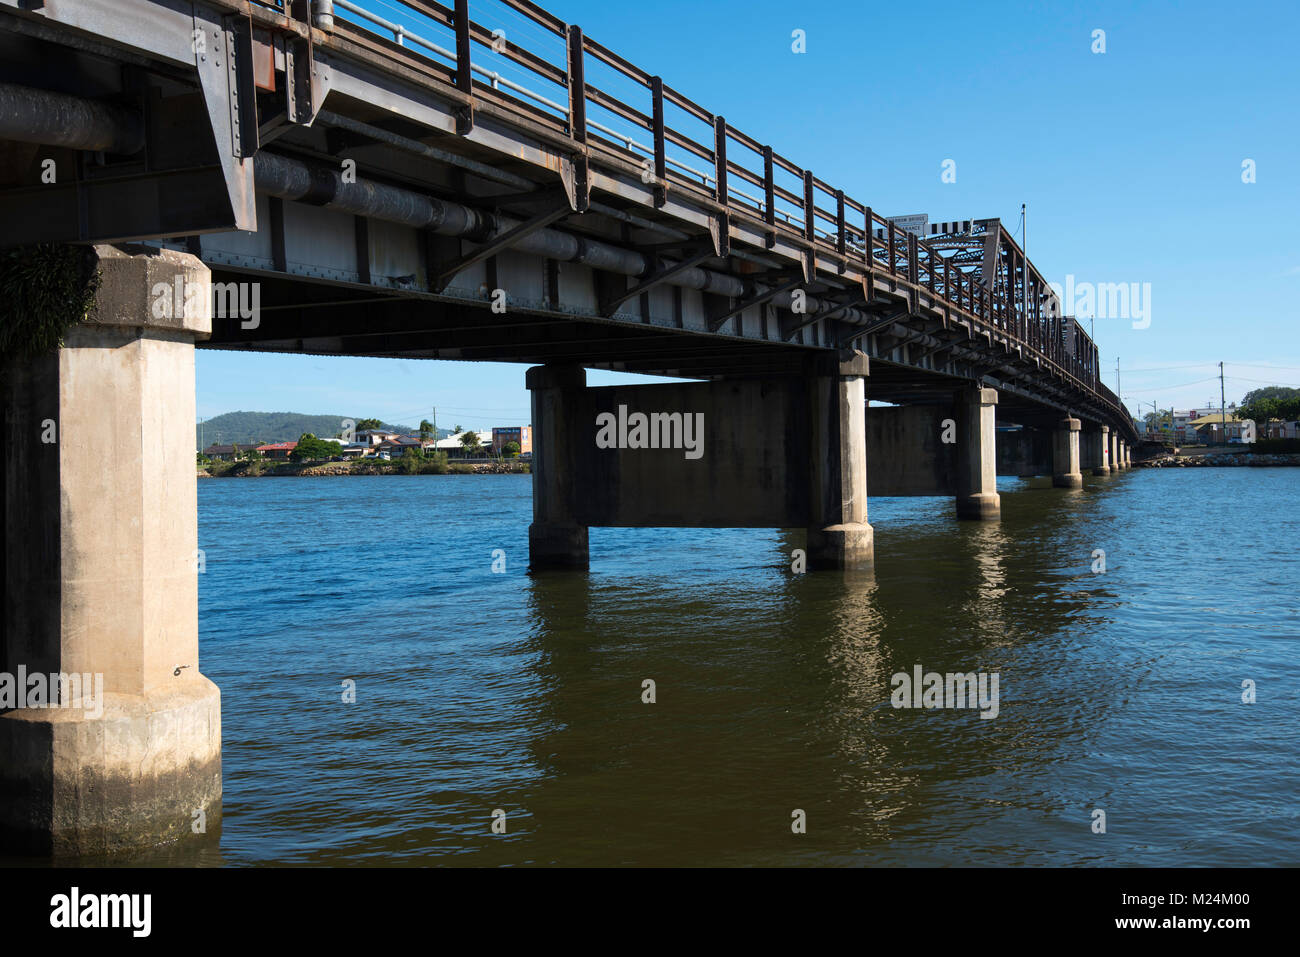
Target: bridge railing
x=547 y=68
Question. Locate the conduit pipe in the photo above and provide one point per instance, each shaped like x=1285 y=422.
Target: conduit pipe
x=56 y=119
x=293 y=179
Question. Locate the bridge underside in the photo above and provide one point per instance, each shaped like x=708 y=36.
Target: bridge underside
x=346 y=319
x=350 y=195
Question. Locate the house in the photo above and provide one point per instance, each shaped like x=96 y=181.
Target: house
x=1277 y=429
x=1211 y=428
x=398 y=444
x=521 y=434
x=374 y=437
x=452 y=444
x=277 y=450
x=224 y=453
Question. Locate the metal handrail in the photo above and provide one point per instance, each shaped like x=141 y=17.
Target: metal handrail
x=995 y=303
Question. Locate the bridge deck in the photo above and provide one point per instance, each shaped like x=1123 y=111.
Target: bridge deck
x=636 y=231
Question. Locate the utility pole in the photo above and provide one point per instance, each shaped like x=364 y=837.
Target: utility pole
x=1024 y=232
x=1223 y=406
x=1118 y=390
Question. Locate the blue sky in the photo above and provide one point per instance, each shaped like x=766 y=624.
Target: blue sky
x=1130 y=162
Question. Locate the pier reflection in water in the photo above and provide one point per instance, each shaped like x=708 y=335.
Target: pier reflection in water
x=479 y=691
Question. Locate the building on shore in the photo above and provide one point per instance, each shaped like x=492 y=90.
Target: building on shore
x=397 y=445
x=521 y=434
x=1218 y=428
x=453 y=445
x=1277 y=429
x=224 y=453
x=374 y=437
x=277 y=450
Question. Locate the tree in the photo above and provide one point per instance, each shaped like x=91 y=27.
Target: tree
x=410 y=461
x=470 y=442
x=511 y=449
x=1269 y=407
x=310 y=449
x=1158 y=420
x=456 y=430
x=1270 y=392
x=369 y=424
x=426 y=428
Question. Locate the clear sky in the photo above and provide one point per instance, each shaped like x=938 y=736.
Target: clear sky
x=1130 y=162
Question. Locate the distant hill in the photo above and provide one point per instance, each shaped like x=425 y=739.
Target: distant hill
x=267 y=427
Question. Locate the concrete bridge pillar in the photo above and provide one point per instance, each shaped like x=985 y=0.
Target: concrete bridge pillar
x=1065 y=454
x=838 y=535
x=555 y=537
x=101 y=539
x=1128 y=456
x=976 y=461
x=1101 y=446
x=1115 y=463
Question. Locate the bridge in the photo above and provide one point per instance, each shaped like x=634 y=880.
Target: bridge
x=331 y=178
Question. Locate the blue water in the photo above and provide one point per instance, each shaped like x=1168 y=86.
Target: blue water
x=479 y=691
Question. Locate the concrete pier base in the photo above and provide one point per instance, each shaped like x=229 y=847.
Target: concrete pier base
x=839 y=536
x=78 y=782
x=555 y=538
x=101 y=539
x=841 y=546
x=975 y=473
x=1065 y=454
x=1100 y=440
x=1115 y=463
x=558 y=546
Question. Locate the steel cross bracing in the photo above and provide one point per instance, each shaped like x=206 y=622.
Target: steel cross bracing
x=631 y=227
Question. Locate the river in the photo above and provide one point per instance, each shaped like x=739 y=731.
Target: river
x=479 y=691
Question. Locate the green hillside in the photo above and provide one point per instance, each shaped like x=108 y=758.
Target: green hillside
x=267 y=427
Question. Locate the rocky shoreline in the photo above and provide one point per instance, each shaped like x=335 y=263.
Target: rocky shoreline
x=345 y=468
x=1221 y=460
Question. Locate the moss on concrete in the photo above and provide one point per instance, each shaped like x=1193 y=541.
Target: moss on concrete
x=47 y=289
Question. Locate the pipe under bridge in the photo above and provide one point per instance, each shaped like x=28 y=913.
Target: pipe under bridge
x=321 y=178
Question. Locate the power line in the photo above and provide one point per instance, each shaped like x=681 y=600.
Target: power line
x=1164 y=388
x=1281 y=385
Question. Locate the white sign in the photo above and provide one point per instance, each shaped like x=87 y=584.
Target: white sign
x=918 y=223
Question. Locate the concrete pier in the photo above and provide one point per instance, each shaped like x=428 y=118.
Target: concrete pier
x=555 y=538
x=1065 y=454
x=1100 y=439
x=730 y=453
x=838 y=533
x=101 y=539
x=976 y=492
x=1115 y=463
